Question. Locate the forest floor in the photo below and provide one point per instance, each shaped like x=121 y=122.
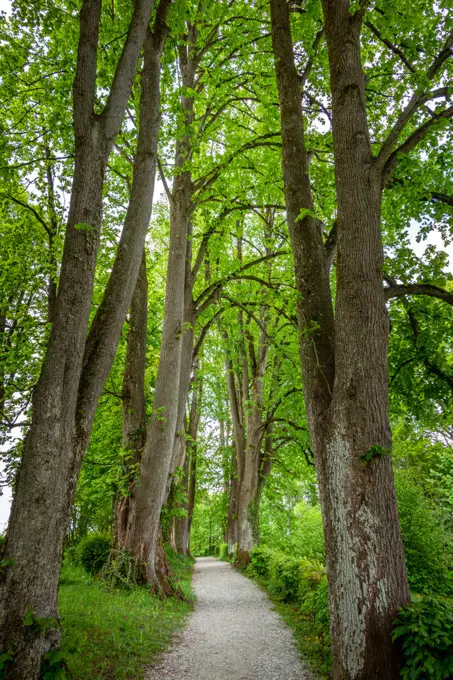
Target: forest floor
x=233 y=633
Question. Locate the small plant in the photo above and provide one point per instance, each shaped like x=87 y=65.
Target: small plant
x=374 y=452
x=55 y=666
x=424 y=629
x=39 y=624
x=5 y=660
x=94 y=552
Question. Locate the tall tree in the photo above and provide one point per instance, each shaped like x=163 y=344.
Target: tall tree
x=345 y=380
x=63 y=403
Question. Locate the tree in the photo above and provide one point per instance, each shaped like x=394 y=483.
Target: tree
x=345 y=360
x=69 y=385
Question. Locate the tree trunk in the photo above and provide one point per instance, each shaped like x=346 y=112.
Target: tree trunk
x=134 y=405
x=49 y=468
x=142 y=536
x=183 y=524
x=51 y=233
x=362 y=529
x=192 y=485
x=347 y=418
x=238 y=455
x=249 y=489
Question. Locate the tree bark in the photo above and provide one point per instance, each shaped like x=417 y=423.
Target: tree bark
x=249 y=486
x=142 y=536
x=50 y=464
x=362 y=528
x=183 y=524
x=238 y=455
x=134 y=404
x=348 y=417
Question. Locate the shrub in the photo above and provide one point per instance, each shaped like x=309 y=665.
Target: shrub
x=223 y=551
x=94 y=552
x=72 y=556
x=181 y=565
x=260 y=560
x=284 y=572
x=424 y=629
x=313 y=597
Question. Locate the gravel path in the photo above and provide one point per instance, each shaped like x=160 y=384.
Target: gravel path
x=233 y=633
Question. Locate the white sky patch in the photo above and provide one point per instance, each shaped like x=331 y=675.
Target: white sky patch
x=5 y=6
x=434 y=238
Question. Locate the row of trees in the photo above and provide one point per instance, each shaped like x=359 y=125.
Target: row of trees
x=328 y=116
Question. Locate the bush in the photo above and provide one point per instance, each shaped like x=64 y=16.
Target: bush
x=72 y=556
x=94 y=552
x=223 y=551
x=284 y=572
x=314 y=598
x=260 y=560
x=424 y=629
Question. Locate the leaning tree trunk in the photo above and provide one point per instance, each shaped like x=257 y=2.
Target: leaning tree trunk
x=142 y=536
x=44 y=493
x=134 y=405
x=366 y=566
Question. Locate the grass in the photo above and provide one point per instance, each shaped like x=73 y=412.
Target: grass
x=313 y=649
x=112 y=634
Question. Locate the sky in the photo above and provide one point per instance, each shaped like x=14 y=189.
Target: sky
x=433 y=239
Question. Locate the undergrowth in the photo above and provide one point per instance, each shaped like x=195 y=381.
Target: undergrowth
x=114 y=633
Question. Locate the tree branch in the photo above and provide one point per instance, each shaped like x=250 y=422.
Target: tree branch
x=164 y=181
x=393 y=48
x=33 y=211
x=236 y=274
x=412 y=141
x=396 y=290
x=415 y=102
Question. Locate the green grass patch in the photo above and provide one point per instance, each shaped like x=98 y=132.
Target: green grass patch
x=112 y=634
